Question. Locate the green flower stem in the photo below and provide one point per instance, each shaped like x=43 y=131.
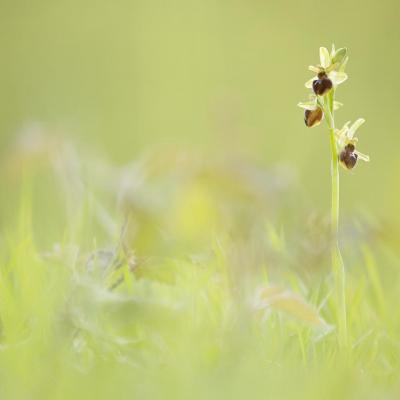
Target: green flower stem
x=335 y=187
x=337 y=262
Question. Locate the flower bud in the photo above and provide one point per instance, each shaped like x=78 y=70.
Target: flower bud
x=339 y=56
x=313 y=117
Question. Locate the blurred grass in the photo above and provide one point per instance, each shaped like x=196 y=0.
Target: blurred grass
x=178 y=276
x=164 y=210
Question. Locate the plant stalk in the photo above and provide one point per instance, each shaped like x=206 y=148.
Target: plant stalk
x=337 y=261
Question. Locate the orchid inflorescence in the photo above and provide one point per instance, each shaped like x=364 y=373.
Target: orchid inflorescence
x=329 y=74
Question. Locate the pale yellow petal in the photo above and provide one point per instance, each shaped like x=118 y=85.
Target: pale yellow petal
x=324 y=57
x=343 y=130
x=343 y=64
x=313 y=68
x=352 y=130
x=337 y=77
x=362 y=156
x=308 y=105
x=337 y=105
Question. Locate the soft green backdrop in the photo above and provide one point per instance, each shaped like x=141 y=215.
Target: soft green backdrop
x=221 y=76
x=163 y=209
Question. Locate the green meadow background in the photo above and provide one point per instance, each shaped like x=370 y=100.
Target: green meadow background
x=212 y=75
x=164 y=210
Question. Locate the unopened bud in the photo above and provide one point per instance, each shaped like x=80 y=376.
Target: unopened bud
x=339 y=56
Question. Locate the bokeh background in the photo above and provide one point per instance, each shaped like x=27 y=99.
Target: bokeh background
x=220 y=76
x=155 y=171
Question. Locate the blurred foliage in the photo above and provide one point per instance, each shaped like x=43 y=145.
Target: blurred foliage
x=173 y=275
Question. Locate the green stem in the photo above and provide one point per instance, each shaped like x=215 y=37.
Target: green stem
x=337 y=262
x=335 y=188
